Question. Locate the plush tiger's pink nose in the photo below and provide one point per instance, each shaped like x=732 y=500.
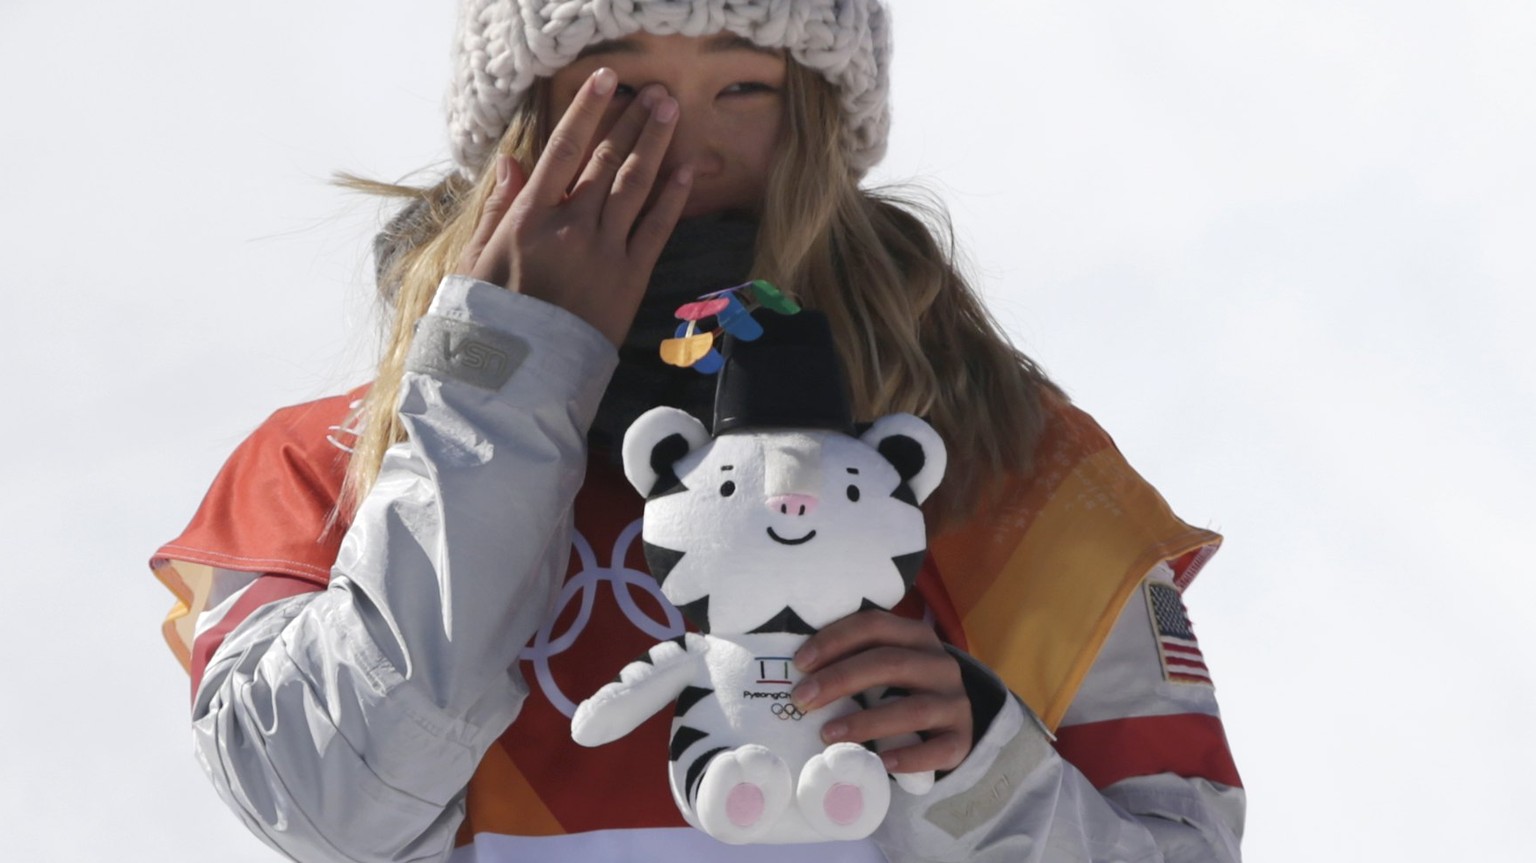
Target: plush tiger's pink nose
x=793 y=504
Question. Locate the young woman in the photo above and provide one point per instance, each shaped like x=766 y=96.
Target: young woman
x=391 y=600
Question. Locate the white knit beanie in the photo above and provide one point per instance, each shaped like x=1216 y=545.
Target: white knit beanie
x=503 y=45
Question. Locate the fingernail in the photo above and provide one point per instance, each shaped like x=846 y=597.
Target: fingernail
x=833 y=732
x=684 y=175
x=603 y=81
x=666 y=112
x=805 y=657
x=503 y=169
x=805 y=693
x=889 y=761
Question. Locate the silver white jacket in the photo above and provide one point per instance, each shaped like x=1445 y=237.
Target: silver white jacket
x=344 y=724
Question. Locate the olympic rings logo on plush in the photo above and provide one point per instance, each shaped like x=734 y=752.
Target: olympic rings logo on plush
x=788 y=711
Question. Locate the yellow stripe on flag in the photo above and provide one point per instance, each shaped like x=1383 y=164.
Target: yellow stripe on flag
x=191 y=583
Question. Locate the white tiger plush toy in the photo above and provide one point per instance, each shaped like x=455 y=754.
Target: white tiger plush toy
x=762 y=537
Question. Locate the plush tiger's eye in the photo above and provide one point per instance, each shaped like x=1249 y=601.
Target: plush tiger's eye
x=853 y=493
x=727 y=489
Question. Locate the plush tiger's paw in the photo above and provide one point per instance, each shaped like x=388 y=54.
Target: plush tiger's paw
x=844 y=792
x=915 y=783
x=742 y=794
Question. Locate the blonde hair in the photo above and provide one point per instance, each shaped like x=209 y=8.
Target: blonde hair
x=415 y=254
x=912 y=334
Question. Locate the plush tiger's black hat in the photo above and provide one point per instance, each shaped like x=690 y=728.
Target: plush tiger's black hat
x=790 y=377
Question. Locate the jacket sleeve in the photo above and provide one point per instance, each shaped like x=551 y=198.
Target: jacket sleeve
x=345 y=723
x=1139 y=770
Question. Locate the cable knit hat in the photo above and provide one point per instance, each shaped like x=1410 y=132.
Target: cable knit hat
x=503 y=45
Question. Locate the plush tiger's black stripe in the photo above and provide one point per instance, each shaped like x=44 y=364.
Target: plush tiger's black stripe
x=785 y=621
x=683 y=738
x=697 y=613
x=909 y=565
x=696 y=773
x=691 y=696
x=661 y=560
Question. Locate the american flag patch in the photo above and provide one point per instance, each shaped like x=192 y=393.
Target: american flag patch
x=1176 y=646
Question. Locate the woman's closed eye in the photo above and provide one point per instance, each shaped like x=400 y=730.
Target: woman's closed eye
x=743 y=88
x=749 y=88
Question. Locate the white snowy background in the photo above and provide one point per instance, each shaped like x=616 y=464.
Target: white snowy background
x=1283 y=250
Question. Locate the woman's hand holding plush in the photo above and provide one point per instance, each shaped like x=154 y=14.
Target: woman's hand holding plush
x=577 y=232
x=876 y=649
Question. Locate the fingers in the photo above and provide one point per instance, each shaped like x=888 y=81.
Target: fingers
x=943 y=721
x=874 y=651
x=861 y=631
x=651 y=234
x=562 y=158
x=650 y=115
x=632 y=184
x=509 y=181
x=914 y=670
x=619 y=178
x=940 y=752
x=927 y=712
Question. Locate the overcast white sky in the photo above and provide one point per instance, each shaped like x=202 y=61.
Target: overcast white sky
x=1282 y=250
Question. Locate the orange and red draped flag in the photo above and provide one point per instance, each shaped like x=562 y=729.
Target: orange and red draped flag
x=1038 y=578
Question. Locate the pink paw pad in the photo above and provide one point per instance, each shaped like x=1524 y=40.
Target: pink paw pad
x=745 y=804
x=844 y=803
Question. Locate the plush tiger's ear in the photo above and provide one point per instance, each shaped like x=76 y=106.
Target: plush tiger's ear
x=655 y=442
x=913 y=447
